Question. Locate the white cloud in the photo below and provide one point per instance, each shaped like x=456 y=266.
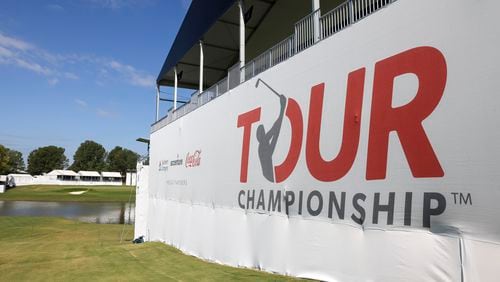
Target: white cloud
x=55 y=8
x=105 y=114
x=32 y=66
x=112 y=4
x=144 y=80
x=5 y=52
x=17 y=44
x=70 y=75
x=53 y=81
x=117 y=4
x=134 y=76
x=81 y=103
x=22 y=54
x=57 y=67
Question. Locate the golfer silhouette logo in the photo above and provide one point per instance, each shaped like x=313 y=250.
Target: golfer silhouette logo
x=268 y=140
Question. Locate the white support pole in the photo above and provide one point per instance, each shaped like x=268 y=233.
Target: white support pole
x=157 y=102
x=242 y=40
x=175 y=88
x=201 y=67
x=315 y=6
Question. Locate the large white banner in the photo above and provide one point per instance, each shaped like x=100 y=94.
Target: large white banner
x=370 y=156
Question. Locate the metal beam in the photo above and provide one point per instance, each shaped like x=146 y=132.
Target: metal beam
x=234 y=24
x=157 y=102
x=170 y=100
x=201 y=67
x=270 y=2
x=219 y=47
x=261 y=20
x=206 y=67
x=242 y=37
x=175 y=88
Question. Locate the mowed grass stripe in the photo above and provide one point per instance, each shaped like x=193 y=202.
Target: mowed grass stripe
x=55 y=249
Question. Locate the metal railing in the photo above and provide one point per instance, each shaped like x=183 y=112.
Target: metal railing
x=234 y=76
x=275 y=55
x=363 y=8
x=336 y=20
x=307 y=32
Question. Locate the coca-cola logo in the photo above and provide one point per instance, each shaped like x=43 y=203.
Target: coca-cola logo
x=194 y=159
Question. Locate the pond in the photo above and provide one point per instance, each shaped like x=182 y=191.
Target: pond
x=92 y=212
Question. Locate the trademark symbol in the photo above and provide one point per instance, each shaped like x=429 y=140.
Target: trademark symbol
x=462 y=198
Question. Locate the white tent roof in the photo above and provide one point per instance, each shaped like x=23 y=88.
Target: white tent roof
x=62 y=172
x=20 y=175
x=89 y=173
x=111 y=174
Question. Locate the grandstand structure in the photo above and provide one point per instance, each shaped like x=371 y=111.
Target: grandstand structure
x=333 y=140
x=68 y=177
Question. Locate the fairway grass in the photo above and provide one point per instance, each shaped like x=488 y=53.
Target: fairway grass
x=62 y=193
x=54 y=249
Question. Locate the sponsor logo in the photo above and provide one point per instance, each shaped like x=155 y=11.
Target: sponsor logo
x=177 y=161
x=194 y=159
x=163 y=165
x=177 y=182
x=426 y=63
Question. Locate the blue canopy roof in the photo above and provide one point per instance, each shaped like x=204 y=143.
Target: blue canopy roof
x=202 y=15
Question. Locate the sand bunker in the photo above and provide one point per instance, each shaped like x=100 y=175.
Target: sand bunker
x=77 y=192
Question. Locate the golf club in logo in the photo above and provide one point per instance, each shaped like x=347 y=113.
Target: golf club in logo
x=267 y=140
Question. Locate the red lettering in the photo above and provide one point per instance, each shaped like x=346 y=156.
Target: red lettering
x=429 y=65
x=246 y=120
x=342 y=163
x=294 y=115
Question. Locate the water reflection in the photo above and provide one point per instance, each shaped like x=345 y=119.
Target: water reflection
x=83 y=211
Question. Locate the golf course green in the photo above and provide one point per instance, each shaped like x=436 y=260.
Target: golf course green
x=75 y=193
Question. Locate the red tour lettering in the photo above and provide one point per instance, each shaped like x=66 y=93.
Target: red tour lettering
x=429 y=65
x=339 y=166
x=294 y=115
x=246 y=120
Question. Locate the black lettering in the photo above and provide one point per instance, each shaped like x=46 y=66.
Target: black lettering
x=389 y=208
x=274 y=201
x=408 y=203
x=301 y=196
x=320 y=203
x=428 y=211
x=465 y=200
x=289 y=200
x=360 y=209
x=339 y=207
x=260 y=201
x=250 y=198
x=242 y=192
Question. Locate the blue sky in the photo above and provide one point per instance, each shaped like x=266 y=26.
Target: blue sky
x=81 y=70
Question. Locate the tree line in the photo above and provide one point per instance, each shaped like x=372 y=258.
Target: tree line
x=89 y=156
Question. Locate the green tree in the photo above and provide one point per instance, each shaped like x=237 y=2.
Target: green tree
x=120 y=159
x=46 y=159
x=4 y=160
x=89 y=156
x=16 y=161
